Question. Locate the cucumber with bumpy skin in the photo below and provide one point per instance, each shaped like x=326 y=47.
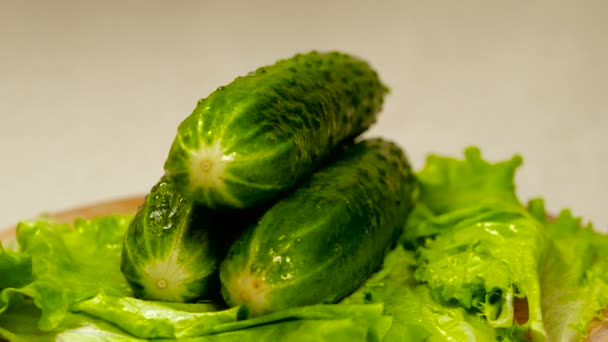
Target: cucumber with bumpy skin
x=254 y=139
x=324 y=239
x=172 y=248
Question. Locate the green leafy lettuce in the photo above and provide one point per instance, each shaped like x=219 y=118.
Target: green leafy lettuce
x=149 y=319
x=478 y=247
x=448 y=184
x=416 y=316
x=574 y=278
x=57 y=265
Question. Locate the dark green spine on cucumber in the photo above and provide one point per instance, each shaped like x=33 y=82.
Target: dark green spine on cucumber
x=324 y=239
x=261 y=135
x=173 y=248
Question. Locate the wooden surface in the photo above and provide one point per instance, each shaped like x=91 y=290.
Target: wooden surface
x=125 y=205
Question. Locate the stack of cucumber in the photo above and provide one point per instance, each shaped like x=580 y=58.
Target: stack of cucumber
x=270 y=198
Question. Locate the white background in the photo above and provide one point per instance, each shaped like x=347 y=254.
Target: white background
x=91 y=92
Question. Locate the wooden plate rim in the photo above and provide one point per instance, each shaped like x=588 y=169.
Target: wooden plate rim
x=124 y=206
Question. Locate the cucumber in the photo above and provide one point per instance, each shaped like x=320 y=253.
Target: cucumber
x=264 y=133
x=324 y=239
x=172 y=248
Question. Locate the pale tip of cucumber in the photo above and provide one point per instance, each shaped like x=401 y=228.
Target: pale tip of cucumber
x=206 y=167
x=250 y=290
x=166 y=279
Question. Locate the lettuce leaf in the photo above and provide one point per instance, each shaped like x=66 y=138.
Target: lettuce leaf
x=16 y=269
x=159 y=321
x=449 y=184
x=477 y=246
x=19 y=324
x=574 y=279
x=416 y=315
x=148 y=319
x=60 y=265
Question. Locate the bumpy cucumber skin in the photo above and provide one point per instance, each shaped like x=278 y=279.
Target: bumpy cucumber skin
x=323 y=240
x=178 y=243
x=275 y=126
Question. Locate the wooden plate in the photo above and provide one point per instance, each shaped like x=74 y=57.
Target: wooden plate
x=127 y=205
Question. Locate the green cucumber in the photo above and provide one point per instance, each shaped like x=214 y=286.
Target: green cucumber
x=323 y=240
x=258 y=137
x=173 y=248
